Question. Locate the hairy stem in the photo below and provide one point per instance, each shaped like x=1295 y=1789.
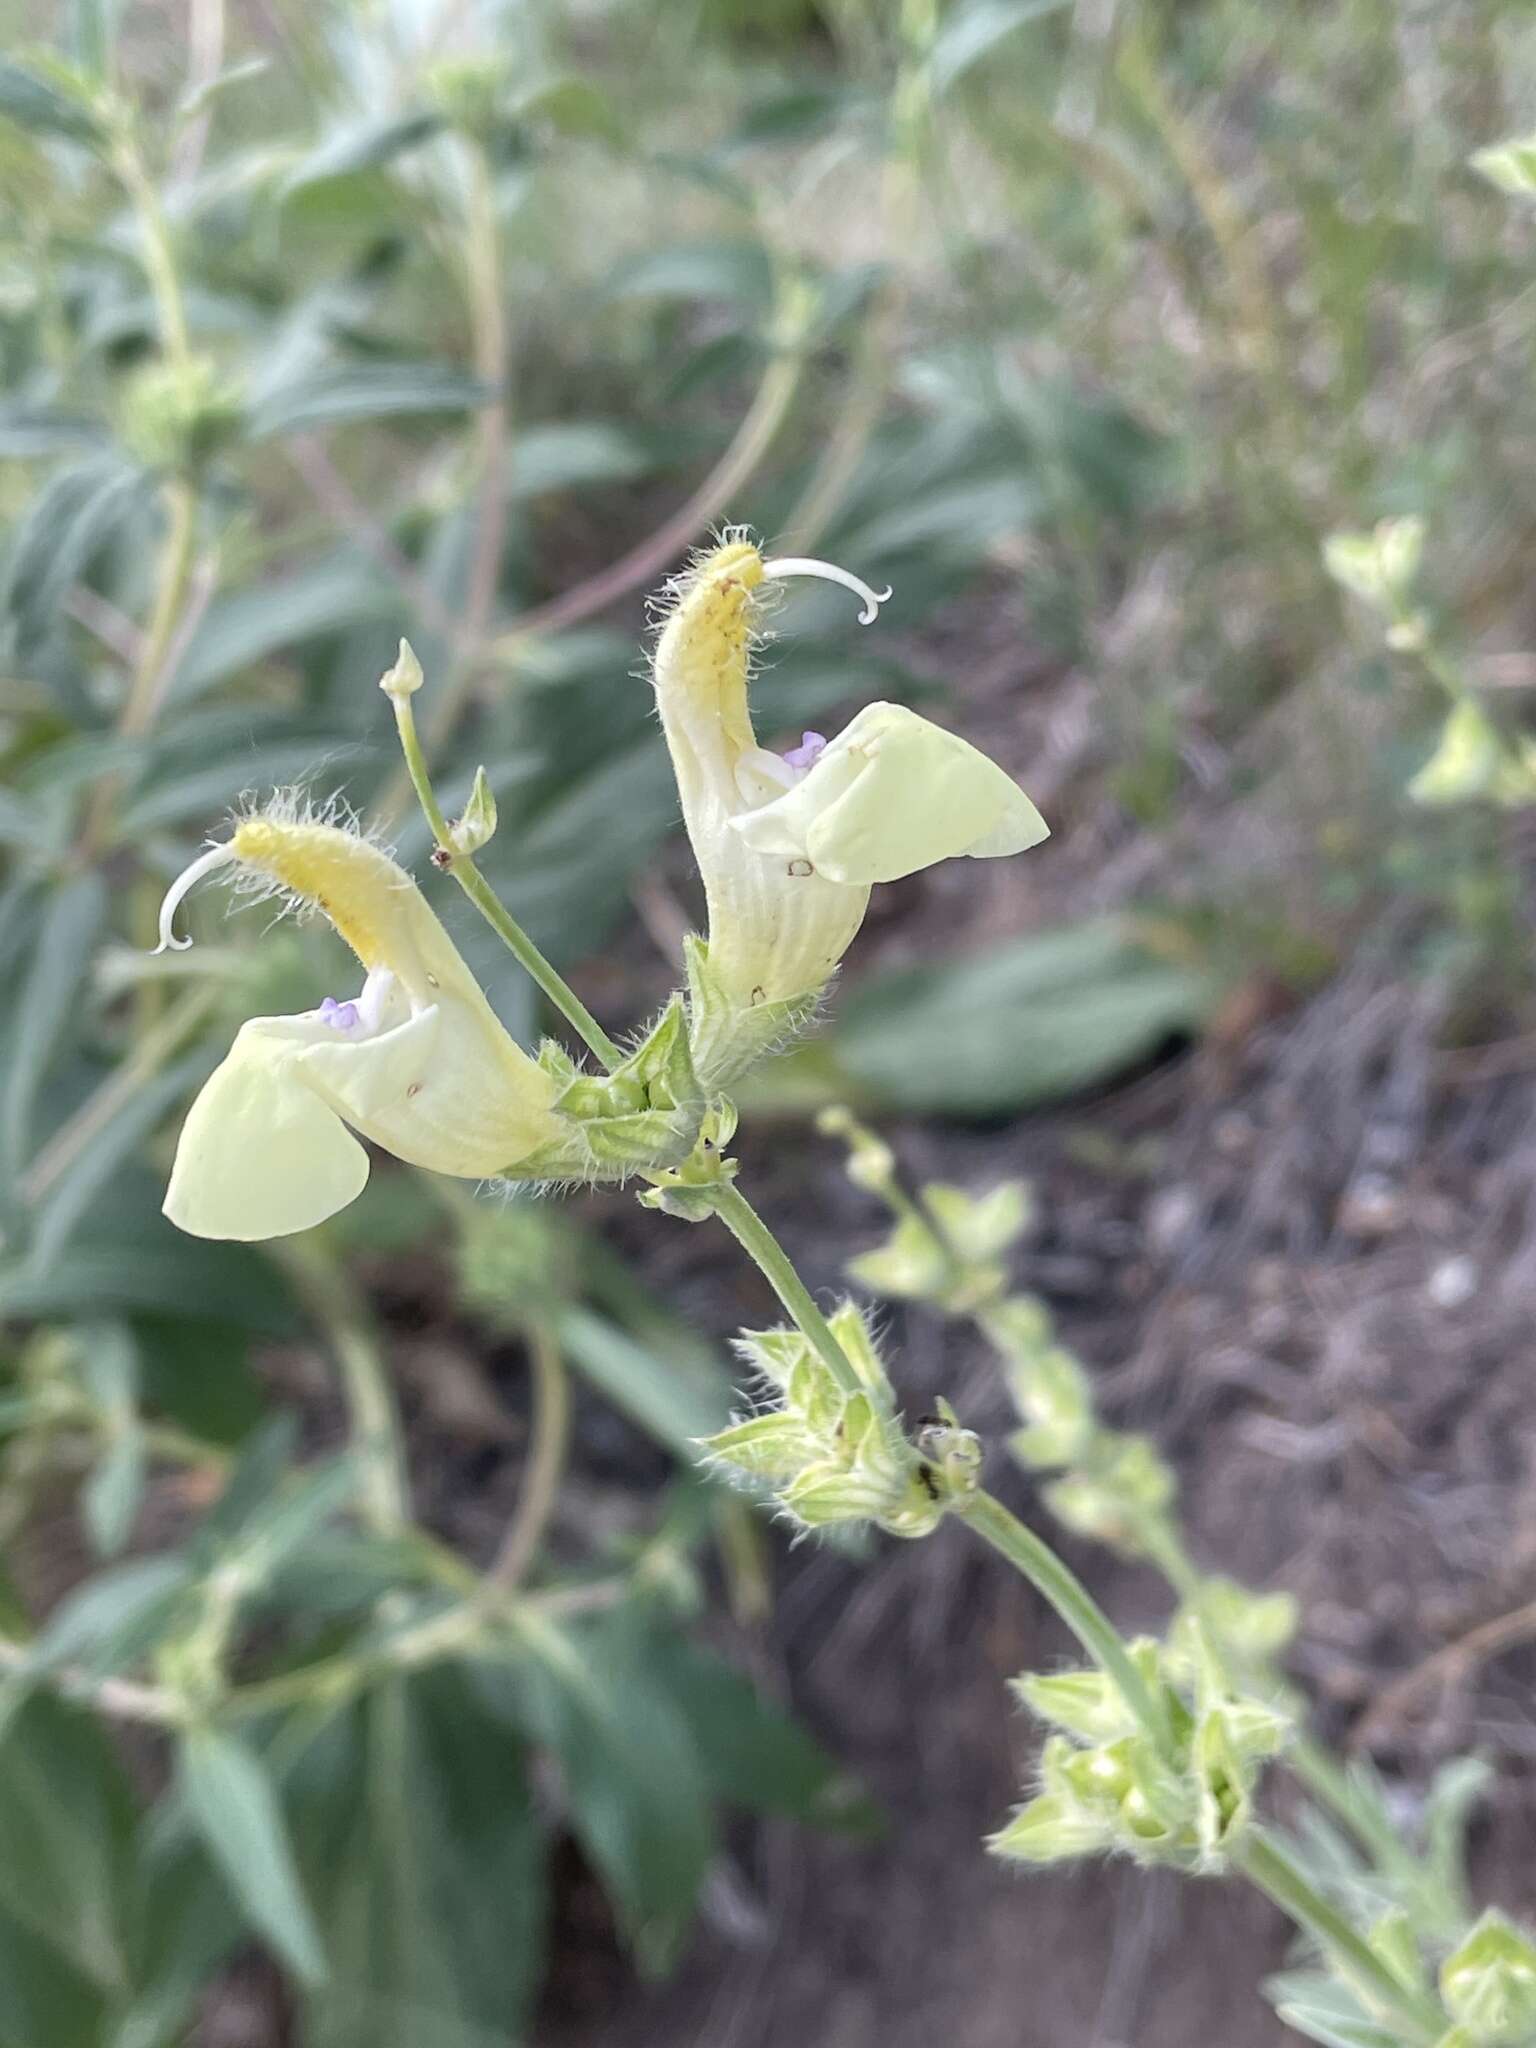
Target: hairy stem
x=1066 y=1593
x=1268 y=1865
x=159 y=261
x=490 y=906
x=764 y=1249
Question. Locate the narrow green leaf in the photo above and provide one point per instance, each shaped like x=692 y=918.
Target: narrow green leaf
x=71 y=925
x=111 y=1495
x=672 y=1398
x=231 y=1801
x=1027 y=1022
x=365 y=391
x=34 y=101
x=114 y=1619
x=70 y=518
x=635 y=1791
x=367 y=146
x=971 y=33
x=426 y=1863
x=65 y=1816
x=69 y=1200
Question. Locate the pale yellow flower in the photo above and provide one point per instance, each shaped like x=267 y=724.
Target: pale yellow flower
x=790 y=846
x=418 y=1061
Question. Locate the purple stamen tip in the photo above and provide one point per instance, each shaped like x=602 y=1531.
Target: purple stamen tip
x=340 y=1016
x=812 y=746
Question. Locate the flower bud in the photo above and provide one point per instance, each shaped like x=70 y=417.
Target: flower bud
x=831 y=1456
x=1489 y=1983
x=178 y=414
x=475 y=828
x=405 y=678
x=1379 y=566
x=1511 y=165
x=646 y=1115
x=1124 y=1486
x=1106 y=1786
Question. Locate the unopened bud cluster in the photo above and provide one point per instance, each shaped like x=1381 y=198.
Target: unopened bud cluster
x=948 y=1246
x=1489 y=1986
x=177 y=414
x=1108 y=1788
x=832 y=1455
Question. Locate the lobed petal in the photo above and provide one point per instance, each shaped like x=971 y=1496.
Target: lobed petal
x=260 y=1154
x=894 y=793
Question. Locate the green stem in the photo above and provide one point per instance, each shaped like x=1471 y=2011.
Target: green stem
x=170 y=590
x=541 y=1480
x=485 y=285
x=338 y=1308
x=1269 y=1866
x=761 y=1246
x=159 y=262
x=1067 y=1594
x=490 y=906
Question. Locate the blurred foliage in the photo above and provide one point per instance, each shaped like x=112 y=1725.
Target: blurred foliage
x=1085 y=329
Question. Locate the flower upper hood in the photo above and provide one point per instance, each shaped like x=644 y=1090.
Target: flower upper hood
x=418 y=1061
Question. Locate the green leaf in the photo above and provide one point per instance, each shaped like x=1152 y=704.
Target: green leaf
x=753 y=1753
x=113 y=1620
x=126 y=1258
x=184 y=1925
x=108 y=1624
x=109 y=1367
x=289 y=1517
x=736 y=271
x=43 y=2000
x=231 y=1801
x=71 y=924
x=1028 y=1022
x=201 y=96
x=93 y=34
x=69 y=1199
x=192 y=794
x=27 y=430
x=675 y=1398
x=65 y=1819
x=971 y=33
x=426 y=1864
x=365 y=391
x=635 y=1791
x=569 y=454
x=252 y=1481
x=366 y=146
x=1325 y=2010
x=245 y=627
x=46 y=107
x=111 y=1495
x=198 y=1373
x=74 y=514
